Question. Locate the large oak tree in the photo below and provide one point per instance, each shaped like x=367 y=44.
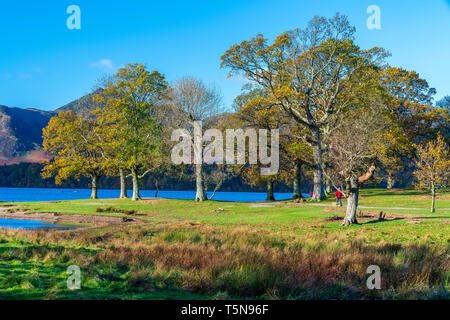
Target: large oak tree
x=307 y=72
x=130 y=120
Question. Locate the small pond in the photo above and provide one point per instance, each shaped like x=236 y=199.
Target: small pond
x=32 y=224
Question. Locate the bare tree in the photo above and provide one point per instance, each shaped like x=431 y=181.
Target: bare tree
x=194 y=101
x=354 y=160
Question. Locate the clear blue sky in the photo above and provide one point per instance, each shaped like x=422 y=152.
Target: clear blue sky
x=45 y=65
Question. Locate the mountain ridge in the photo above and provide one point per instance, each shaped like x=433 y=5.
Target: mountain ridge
x=21 y=129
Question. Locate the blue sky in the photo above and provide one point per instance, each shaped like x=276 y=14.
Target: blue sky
x=44 y=65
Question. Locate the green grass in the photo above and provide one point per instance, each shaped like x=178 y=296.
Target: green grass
x=182 y=249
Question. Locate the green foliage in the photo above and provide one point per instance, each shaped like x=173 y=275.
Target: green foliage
x=128 y=125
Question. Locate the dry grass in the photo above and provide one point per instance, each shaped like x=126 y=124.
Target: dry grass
x=243 y=262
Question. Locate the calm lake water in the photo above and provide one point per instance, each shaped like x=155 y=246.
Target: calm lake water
x=36 y=194
x=27 y=224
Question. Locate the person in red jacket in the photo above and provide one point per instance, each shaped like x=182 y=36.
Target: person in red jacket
x=338 y=196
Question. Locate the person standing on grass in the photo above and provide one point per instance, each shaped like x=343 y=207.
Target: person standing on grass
x=338 y=196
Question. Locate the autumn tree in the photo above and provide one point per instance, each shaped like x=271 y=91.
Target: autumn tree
x=72 y=142
x=254 y=113
x=130 y=120
x=306 y=72
x=194 y=107
x=433 y=167
x=412 y=118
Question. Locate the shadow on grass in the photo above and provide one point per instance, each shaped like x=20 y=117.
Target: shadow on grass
x=383 y=220
x=396 y=219
x=439 y=217
x=396 y=192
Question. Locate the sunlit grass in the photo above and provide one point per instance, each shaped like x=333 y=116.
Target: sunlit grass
x=182 y=249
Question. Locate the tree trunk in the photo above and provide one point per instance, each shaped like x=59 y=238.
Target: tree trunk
x=157 y=188
x=94 y=186
x=123 y=185
x=352 y=200
x=433 y=198
x=135 y=178
x=390 y=181
x=328 y=186
x=200 y=196
x=318 y=193
x=270 y=196
x=297 y=183
x=326 y=181
x=352 y=203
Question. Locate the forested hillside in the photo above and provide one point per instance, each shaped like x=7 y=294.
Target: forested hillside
x=28 y=175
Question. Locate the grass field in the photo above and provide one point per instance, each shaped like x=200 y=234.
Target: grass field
x=178 y=249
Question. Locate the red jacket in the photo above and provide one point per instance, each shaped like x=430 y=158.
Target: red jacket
x=338 y=194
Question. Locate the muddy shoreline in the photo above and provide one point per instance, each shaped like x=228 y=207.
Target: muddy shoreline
x=51 y=217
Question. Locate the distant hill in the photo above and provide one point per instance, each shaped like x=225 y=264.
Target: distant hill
x=82 y=106
x=21 y=129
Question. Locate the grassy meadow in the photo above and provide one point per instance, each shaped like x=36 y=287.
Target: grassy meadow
x=179 y=249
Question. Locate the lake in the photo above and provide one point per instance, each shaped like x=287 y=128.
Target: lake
x=42 y=194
